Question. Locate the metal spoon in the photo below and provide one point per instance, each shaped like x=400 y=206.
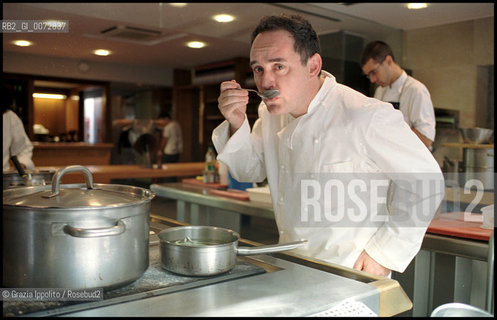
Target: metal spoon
x=266 y=94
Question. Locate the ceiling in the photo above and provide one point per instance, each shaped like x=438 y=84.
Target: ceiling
x=193 y=22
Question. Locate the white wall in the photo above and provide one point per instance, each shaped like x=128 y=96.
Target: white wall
x=100 y=71
x=446 y=59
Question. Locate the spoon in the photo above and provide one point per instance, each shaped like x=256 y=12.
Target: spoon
x=267 y=94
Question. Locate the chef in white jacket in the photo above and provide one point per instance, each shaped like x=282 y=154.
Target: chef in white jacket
x=15 y=140
x=404 y=92
x=329 y=154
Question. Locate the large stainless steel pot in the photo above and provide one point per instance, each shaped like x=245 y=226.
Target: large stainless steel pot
x=75 y=235
x=207 y=251
x=479 y=165
x=12 y=179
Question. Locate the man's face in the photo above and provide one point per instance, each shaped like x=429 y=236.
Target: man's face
x=377 y=72
x=277 y=66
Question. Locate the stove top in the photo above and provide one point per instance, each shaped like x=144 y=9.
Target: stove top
x=155 y=281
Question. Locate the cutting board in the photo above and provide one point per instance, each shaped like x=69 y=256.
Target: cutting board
x=231 y=193
x=196 y=182
x=454 y=224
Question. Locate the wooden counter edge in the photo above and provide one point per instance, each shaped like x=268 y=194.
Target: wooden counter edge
x=70 y=145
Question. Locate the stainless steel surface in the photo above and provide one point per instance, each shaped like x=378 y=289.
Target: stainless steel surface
x=199 y=195
x=38 y=178
x=62 y=171
x=266 y=94
x=479 y=164
x=76 y=196
x=476 y=135
x=205 y=250
x=468 y=248
x=155 y=281
x=292 y=290
x=459 y=310
x=489 y=305
x=271 y=248
x=79 y=238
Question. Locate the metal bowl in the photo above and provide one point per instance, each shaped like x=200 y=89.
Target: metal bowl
x=476 y=135
x=455 y=309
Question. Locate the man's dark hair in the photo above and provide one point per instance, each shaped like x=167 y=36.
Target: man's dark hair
x=164 y=114
x=376 y=50
x=306 y=39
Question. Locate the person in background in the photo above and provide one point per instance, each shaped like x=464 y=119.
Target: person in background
x=171 y=143
x=15 y=139
x=404 y=92
x=316 y=127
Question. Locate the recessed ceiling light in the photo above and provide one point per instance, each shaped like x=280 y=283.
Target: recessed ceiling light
x=417 y=5
x=196 y=44
x=49 y=96
x=223 y=18
x=22 y=43
x=178 y=4
x=101 y=52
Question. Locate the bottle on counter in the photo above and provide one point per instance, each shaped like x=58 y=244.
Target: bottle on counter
x=210 y=172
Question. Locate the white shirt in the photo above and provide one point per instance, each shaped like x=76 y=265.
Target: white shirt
x=16 y=141
x=351 y=137
x=415 y=103
x=174 y=144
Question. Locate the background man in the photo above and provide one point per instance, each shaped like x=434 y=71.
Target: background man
x=15 y=139
x=171 y=144
x=405 y=93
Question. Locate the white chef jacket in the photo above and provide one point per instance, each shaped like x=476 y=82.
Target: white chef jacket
x=174 y=144
x=16 y=141
x=342 y=131
x=415 y=103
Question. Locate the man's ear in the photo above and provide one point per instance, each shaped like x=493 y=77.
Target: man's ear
x=314 y=65
x=388 y=60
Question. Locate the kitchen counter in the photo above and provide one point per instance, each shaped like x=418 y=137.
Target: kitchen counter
x=289 y=286
x=105 y=173
x=451 y=248
x=69 y=153
x=198 y=206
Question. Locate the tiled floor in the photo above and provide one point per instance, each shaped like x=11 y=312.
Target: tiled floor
x=253 y=228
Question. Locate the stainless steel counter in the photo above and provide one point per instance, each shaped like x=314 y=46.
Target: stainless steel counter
x=285 y=289
x=456 y=258
x=195 y=205
x=294 y=290
x=291 y=286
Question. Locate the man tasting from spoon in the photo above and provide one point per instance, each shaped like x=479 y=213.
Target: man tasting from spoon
x=318 y=133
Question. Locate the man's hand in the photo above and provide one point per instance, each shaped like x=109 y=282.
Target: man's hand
x=233 y=104
x=368 y=264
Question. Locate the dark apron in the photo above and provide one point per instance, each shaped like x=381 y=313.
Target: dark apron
x=396 y=105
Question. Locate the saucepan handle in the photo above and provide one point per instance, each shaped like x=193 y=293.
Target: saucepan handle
x=95 y=232
x=245 y=251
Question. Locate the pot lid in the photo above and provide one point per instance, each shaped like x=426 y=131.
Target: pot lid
x=77 y=196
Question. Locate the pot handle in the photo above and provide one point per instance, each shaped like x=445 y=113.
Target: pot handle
x=95 y=232
x=245 y=251
x=62 y=171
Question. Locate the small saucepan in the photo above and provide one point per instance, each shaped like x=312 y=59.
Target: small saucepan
x=207 y=251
